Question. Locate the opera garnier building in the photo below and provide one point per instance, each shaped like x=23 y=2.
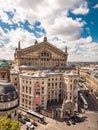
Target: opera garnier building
x=8 y=95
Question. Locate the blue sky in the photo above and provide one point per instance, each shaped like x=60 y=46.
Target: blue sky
x=72 y=23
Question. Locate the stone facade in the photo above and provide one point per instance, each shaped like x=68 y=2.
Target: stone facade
x=37 y=89
x=90 y=77
x=40 y=77
x=43 y=55
x=70 y=93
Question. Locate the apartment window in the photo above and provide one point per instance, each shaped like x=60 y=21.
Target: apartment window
x=42 y=82
x=42 y=92
x=48 y=79
x=15 y=84
x=71 y=87
x=29 y=102
x=30 y=82
x=26 y=89
x=49 y=84
x=26 y=81
x=60 y=84
x=23 y=88
x=55 y=84
x=29 y=97
x=60 y=91
x=22 y=100
x=15 y=78
x=52 y=92
x=30 y=90
x=26 y=101
x=42 y=88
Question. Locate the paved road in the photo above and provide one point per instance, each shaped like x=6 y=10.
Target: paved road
x=92 y=103
x=91 y=100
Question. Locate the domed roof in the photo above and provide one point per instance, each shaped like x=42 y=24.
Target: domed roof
x=3 y=63
x=7 y=92
x=6 y=88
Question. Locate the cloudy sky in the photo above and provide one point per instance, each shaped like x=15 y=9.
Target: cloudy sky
x=71 y=23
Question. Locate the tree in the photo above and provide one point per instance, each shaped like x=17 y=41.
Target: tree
x=8 y=124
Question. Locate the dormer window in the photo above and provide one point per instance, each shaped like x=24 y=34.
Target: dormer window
x=2 y=97
x=9 y=97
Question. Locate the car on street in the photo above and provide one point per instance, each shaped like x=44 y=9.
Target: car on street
x=22 y=120
x=68 y=122
x=26 y=119
x=29 y=126
x=77 y=119
x=19 y=115
x=34 y=123
x=72 y=121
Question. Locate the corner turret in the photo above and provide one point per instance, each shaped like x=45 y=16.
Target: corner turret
x=19 y=45
x=66 y=49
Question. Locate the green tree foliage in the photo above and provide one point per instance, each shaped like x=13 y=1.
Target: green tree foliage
x=8 y=124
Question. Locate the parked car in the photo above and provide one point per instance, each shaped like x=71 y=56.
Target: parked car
x=26 y=119
x=77 y=119
x=72 y=121
x=34 y=123
x=22 y=121
x=19 y=115
x=68 y=122
x=29 y=126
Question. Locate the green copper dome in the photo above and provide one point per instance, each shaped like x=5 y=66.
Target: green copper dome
x=3 y=63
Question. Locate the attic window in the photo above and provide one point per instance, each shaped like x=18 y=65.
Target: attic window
x=45 y=54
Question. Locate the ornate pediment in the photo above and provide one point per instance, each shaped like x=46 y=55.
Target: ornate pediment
x=43 y=46
x=43 y=54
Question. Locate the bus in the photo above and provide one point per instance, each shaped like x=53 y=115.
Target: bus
x=86 y=90
x=85 y=104
x=36 y=116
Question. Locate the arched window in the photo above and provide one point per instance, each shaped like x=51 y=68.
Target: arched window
x=45 y=54
x=42 y=54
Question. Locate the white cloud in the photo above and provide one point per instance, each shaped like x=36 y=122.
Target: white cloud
x=66 y=28
x=26 y=39
x=82 y=9
x=96 y=6
x=53 y=15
